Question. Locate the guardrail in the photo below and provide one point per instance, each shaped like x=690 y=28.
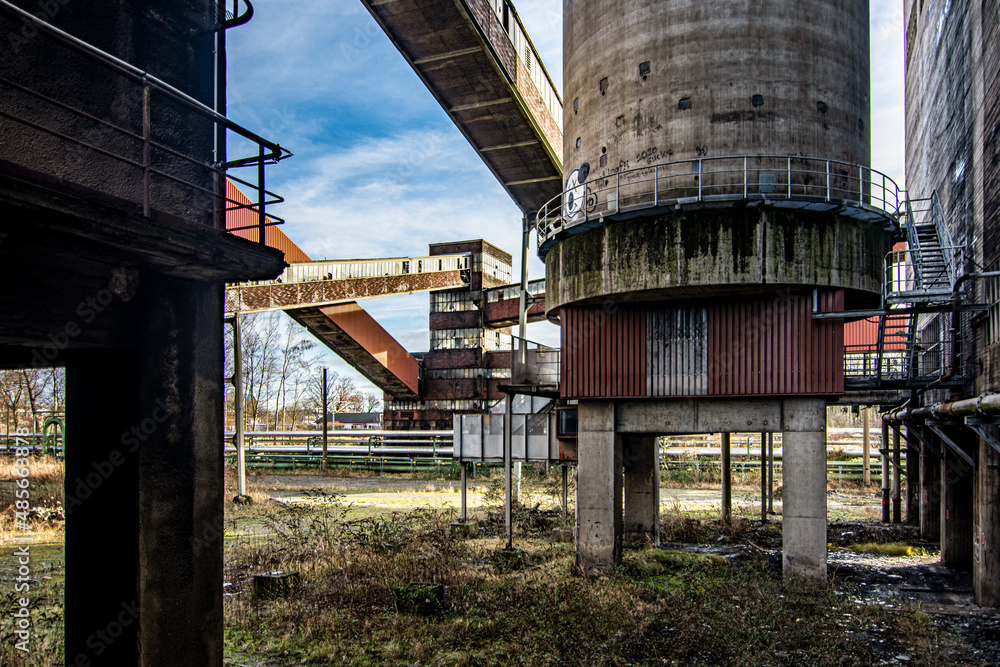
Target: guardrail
x=124 y=144
x=809 y=181
x=346 y=269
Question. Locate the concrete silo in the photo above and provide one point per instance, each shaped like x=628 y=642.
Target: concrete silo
x=717 y=194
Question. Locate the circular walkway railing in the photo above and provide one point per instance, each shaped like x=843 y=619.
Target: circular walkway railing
x=782 y=181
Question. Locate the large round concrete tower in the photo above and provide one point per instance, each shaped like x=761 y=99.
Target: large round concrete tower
x=717 y=193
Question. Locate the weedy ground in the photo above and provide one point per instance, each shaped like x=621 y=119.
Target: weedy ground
x=710 y=594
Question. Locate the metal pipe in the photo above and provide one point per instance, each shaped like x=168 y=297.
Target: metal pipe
x=727 y=488
x=986 y=404
x=326 y=419
x=763 y=478
x=565 y=490
x=885 y=472
x=507 y=455
x=241 y=468
x=867 y=470
x=770 y=473
x=522 y=318
x=465 y=483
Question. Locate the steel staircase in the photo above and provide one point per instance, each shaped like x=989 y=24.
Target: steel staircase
x=920 y=279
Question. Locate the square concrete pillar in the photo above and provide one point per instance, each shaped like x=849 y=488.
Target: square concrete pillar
x=144 y=486
x=804 y=492
x=986 y=528
x=598 y=488
x=640 y=460
x=930 y=490
x=957 y=481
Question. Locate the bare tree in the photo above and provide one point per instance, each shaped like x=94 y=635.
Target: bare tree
x=373 y=403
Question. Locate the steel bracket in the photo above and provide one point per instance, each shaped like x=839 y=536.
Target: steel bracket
x=920 y=440
x=935 y=426
x=979 y=425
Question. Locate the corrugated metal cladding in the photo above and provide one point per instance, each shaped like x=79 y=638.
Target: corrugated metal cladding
x=273 y=236
x=773 y=346
x=751 y=347
x=603 y=352
x=677 y=351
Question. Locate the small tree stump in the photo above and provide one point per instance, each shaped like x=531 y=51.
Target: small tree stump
x=419 y=598
x=508 y=560
x=275 y=585
x=467 y=529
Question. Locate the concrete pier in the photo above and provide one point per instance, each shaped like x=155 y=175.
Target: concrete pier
x=615 y=432
x=640 y=460
x=930 y=490
x=957 y=481
x=986 y=528
x=599 y=520
x=804 y=495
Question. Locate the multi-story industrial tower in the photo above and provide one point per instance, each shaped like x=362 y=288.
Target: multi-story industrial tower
x=717 y=193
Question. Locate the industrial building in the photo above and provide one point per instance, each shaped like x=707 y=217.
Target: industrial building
x=114 y=252
x=704 y=204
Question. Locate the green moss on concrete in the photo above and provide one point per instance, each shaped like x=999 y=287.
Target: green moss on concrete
x=697 y=253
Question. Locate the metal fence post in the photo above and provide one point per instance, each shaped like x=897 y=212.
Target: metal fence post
x=828 y=180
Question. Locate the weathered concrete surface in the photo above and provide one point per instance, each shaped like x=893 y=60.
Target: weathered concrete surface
x=640 y=460
x=957 y=481
x=930 y=490
x=804 y=492
x=715 y=253
x=808 y=60
x=692 y=415
x=986 y=528
x=598 y=488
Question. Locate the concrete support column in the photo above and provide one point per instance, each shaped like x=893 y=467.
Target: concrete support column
x=930 y=491
x=957 y=481
x=102 y=531
x=145 y=481
x=181 y=492
x=726 y=472
x=804 y=495
x=598 y=488
x=986 y=554
x=640 y=460
x=896 y=479
x=913 y=461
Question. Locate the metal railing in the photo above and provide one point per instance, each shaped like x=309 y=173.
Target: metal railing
x=346 y=269
x=903 y=279
x=929 y=212
x=770 y=178
x=536 y=288
x=533 y=363
x=137 y=148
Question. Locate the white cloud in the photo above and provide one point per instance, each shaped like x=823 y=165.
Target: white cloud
x=888 y=92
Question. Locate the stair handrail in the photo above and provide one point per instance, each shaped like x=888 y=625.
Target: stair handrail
x=949 y=251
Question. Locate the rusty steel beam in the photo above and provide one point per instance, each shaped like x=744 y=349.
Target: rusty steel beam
x=316 y=293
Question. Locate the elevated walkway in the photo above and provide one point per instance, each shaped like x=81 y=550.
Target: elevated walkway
x=320 y=296
x=502 y=305
x=315 y=284
x=479 y=63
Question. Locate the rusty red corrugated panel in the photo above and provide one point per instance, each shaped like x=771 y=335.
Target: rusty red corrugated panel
x=603 y=352
x=772 y=346
x=273 y=236
x=360 y=326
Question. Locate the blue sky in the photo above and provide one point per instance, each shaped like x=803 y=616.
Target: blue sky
x=380 y=170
